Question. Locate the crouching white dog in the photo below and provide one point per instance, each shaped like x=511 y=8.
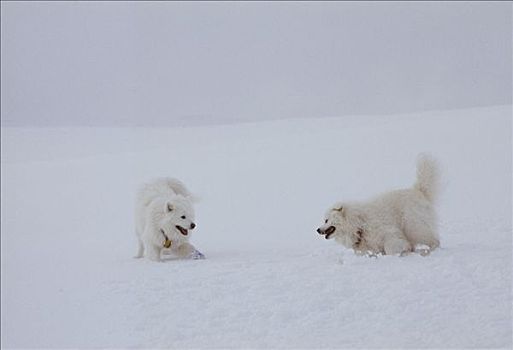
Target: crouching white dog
x=164 y=217
x=393 y=223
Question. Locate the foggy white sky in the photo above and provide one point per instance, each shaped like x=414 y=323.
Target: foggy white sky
x=142 y=63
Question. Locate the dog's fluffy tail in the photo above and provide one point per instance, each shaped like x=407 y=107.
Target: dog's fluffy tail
x=427 y=176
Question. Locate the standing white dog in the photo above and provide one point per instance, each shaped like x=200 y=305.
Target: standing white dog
x=163 y=217
x=393 y=223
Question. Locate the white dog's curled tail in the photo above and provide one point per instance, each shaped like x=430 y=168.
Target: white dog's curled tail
x=427 y=176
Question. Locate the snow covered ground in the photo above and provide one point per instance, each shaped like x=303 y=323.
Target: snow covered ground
x=269 y=280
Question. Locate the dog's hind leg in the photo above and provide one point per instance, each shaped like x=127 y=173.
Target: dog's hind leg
x=422 y=232
x=396 y=246
x=140 y=249
x=419 y=224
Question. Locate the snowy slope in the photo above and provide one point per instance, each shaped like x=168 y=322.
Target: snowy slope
x=69 y=280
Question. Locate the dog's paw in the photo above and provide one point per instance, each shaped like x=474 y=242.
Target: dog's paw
x=197 y=255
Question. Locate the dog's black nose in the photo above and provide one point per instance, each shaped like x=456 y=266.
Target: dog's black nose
x=319 y=231
x=193 y=225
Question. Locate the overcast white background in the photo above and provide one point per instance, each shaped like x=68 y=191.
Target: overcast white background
x=170 y=63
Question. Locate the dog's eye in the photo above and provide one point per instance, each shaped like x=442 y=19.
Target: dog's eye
x=326 y=221
x=183 y=216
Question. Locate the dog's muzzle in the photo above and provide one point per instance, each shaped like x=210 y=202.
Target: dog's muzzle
x=182 y=230
x=327 y=233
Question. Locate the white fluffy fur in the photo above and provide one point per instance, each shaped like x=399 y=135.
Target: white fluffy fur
x=393 y=223
x=161 y=205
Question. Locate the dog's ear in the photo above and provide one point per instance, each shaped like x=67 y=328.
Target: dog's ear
x=341 y=209
x=169 y=207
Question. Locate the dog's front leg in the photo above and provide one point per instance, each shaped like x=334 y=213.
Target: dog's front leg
x=153 y=252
